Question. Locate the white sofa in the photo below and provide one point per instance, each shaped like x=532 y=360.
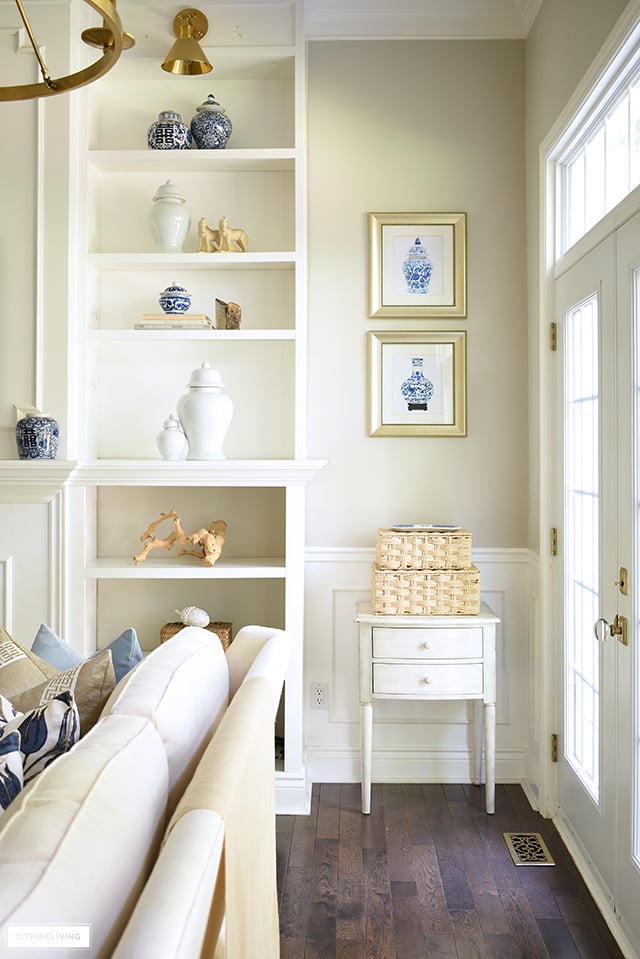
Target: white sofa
x=155 y=834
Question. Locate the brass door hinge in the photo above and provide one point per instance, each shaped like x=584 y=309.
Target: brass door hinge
x=554 y=541
x=554 y=747
x=553 y=337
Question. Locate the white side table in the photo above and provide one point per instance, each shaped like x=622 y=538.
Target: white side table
x=429 y=657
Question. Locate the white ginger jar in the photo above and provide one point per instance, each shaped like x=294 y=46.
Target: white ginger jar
x=171 y=441
x=205 y=413
x=169 y=218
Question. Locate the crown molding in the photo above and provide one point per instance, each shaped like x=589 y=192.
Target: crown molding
x=417 y=19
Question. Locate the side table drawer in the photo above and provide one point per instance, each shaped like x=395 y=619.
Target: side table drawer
x=398 y=679
x=447 y=642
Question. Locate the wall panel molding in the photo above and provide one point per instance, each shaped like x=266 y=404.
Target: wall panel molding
x=413 y=741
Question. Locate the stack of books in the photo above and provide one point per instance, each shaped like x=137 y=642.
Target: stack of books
x=174 y=321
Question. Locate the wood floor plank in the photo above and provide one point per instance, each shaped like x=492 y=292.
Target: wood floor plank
x=467 y=933
x=321 y=924
x=558 y=939
x=350 y=925
x=379 y=928
x=527 y=940
x=328 y=824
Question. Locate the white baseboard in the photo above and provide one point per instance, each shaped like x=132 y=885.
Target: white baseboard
x=409 y=765
x=293 y=795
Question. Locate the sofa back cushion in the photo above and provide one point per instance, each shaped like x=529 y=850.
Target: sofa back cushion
x=182 y=686
x=77 y=844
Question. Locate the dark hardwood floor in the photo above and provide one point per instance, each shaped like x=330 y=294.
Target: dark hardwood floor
x=427 y=875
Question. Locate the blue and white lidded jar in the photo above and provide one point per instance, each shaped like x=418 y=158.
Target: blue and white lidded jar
x=211 y=127
x=175 y=299
x=417 y=268
x=168 y=132
x=171 y=441
x=37 y=438
x=205 y=413
x=417 y=390
x=169 y=219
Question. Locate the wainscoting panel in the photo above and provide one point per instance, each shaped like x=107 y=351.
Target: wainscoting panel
x=412 y=741
x=28 y=567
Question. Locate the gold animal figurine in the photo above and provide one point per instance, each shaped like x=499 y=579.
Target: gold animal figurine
x=226 y=239
x=209 y=541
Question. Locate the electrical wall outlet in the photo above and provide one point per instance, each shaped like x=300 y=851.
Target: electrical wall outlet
x=319 y=696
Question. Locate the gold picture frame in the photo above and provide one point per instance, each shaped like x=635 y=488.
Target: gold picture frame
x=417 y=383
x=418 y=264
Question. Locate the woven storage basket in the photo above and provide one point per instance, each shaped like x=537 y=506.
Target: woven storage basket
x=428 y=592
x=423 y=549
x=222 y=629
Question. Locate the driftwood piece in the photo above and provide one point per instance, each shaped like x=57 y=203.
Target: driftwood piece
x=208 y=542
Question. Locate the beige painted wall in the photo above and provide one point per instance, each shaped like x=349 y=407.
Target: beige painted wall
x=564 y=40
x=417 y=126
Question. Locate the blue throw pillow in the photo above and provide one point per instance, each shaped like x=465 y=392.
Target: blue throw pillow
x=125 y=651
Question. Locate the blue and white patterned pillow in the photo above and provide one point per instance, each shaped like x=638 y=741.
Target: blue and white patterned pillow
x=46 y=732
x=11 y=774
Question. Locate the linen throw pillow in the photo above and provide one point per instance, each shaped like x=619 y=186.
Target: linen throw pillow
x=11 y=775
x=125 y=651
x=45 y=732
x=91 y=683
x=19 y=667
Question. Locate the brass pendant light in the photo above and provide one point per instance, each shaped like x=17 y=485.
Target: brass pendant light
x=186 y=57
x=111 y=38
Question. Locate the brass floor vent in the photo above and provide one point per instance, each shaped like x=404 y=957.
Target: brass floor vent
x=528 y=849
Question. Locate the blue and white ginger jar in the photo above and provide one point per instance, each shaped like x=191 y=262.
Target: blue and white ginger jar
x=168 y=132
x=417 y=390
x=417 y=268
x=175 y=299
x=211 y=127
x=37 y=438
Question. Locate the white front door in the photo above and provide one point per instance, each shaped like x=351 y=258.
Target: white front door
x=597 y=326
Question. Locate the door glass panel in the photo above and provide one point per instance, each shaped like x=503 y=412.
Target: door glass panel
x=582 y=547
x=635 y=633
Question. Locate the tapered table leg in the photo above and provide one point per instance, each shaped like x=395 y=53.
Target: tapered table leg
x=366 y=734
x=490 y=755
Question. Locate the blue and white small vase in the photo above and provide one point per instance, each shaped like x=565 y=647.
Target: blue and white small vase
x=417 y=390
x=211 y=127
x=168 y=132
x=417 y=268
x=175 y=299
x=37 y=438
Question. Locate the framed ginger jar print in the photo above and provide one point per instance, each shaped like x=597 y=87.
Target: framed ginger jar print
x=418 y=264
x=417 y=384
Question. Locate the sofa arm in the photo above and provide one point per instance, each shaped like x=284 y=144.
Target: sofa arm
x=259 y=651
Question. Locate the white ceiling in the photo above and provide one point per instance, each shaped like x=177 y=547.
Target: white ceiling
x=486 y=19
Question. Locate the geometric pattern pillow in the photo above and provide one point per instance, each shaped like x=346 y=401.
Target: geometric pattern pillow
x=91 y=684
x=44 y=733
x=11 y=775
x=125 y=650
x=19 y=667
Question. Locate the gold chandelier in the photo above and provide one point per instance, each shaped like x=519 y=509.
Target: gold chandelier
x=110 y=38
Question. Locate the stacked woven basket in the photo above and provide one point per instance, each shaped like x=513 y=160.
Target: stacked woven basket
x=424 y=571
